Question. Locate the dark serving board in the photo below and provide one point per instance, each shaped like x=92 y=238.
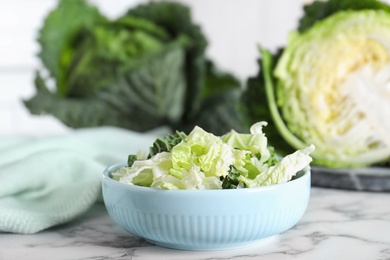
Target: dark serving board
x=360 y=179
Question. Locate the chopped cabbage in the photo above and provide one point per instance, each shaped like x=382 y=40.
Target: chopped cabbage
x=205 y=161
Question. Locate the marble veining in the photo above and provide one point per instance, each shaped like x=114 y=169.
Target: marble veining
x=338 y=224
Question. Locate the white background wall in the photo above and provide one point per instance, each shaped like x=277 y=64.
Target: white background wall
x=234 y=28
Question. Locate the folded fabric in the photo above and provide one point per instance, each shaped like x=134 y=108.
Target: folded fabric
x=49 y=181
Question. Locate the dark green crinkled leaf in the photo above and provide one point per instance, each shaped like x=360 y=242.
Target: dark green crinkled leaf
x=151 y=90
x=142 y=99
x=219 y=115
x=319 y=10
x=219 y=107
x=166 y=143
x=217 y=81
x=79 y=113
x=131 y=159
x=176 y=19
x=230 y=181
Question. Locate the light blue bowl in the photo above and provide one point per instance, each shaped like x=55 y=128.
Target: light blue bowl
x=206 y=219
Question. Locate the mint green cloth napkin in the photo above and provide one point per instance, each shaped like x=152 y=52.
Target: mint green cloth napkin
x=49 y=181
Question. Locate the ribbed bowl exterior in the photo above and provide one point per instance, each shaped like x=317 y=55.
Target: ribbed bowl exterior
x=206 y=219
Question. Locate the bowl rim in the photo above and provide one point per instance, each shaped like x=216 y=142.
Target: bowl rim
x=106 y=177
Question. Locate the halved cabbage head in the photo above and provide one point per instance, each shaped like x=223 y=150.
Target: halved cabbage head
x=333 y=89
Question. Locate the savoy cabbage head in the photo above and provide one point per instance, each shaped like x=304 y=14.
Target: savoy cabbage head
x=142 y=70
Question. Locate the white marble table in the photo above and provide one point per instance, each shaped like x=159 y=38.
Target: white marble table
x=337 y=225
